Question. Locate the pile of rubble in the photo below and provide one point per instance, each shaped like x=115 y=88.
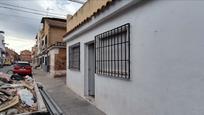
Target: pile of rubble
x=17 y=94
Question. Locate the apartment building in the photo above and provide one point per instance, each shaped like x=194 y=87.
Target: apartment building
x=51 y=50
x=25 y=55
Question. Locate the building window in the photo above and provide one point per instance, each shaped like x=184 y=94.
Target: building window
x=45 y=40
x=43 y=60
x=113 y=52
x=74 y=57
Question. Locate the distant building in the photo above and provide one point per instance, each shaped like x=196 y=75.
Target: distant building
x=50 y=49
x=36 y=51
x=25 y=55
x=2 y=47
x=33 y=55
x=10 y=56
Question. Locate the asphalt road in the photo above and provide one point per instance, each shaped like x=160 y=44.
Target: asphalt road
x=5 y=69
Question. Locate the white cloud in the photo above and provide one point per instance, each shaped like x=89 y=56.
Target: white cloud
x=59 y=6
x=21 y=27
x=19 y=44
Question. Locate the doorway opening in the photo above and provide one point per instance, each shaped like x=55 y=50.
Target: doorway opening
x=91 y=70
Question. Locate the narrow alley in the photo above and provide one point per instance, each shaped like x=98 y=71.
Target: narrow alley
x=68 y=101
x=101 y=57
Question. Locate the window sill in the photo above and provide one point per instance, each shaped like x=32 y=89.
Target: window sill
x=113 y=77
x=72 y=69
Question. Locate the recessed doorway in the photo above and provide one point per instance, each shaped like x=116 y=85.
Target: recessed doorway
x=91 y=70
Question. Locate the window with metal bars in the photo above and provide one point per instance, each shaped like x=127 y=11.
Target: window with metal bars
x=74 y=57
x=112 y=54
x=45 y=60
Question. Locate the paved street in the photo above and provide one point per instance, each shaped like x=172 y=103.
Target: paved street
x=5 y=69
x=69 y=102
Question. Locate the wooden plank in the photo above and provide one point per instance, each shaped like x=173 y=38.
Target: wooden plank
x=9 y=104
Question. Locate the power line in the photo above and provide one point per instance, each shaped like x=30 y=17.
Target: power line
x=20 y=10
x=18 y=16
x=28 y=8
x=77 y=1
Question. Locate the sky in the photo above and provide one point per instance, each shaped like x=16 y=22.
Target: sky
x=20 y=19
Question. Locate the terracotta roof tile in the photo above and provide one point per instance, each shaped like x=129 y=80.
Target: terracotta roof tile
x=90 y=8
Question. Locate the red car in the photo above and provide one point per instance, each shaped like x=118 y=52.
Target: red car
x=22 y=68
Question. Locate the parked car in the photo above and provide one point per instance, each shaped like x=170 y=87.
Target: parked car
x=22 y=68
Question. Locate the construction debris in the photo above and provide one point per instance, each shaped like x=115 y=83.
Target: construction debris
x=26 y=97
x=4 y=77
x=9 y=103
x=17 y=94
x=12 y=112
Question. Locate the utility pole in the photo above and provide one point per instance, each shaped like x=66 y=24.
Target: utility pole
x=48 y=9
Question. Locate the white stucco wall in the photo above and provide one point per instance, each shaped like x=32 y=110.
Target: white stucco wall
x=52 y=53
x=54 y=72
x=2 y=46
x=166 y=61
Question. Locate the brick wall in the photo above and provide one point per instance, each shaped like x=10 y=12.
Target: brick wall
x=60 y=60
x=25 y=55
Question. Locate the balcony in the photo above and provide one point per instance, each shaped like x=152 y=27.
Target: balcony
x=44 y=50
x=57 y=44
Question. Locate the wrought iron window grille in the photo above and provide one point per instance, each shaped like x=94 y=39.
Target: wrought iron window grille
x=74 y=56
x=112 y=52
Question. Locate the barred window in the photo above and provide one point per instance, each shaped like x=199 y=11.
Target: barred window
x=45 y=60
x=113 y=52
x=74 y=56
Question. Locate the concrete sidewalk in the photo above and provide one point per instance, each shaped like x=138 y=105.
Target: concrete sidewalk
x=68 y=101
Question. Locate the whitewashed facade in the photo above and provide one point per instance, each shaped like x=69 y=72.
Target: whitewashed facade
x=166 y=59
x=2 y=47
